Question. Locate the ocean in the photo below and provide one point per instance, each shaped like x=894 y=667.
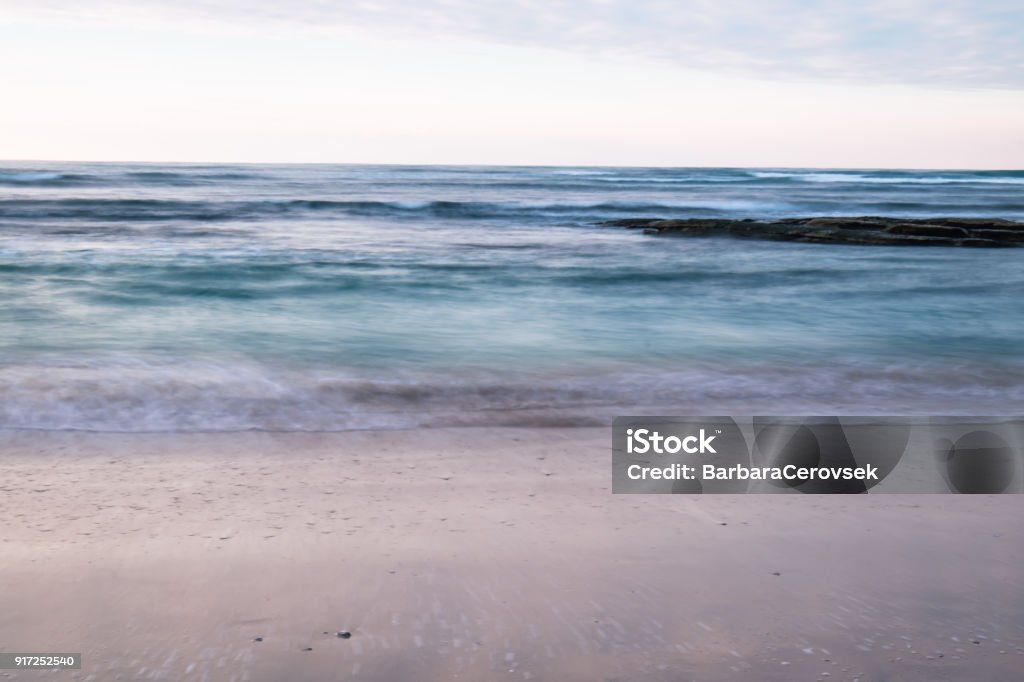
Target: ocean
x=176 y=297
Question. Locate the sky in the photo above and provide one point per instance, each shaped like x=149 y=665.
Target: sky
x=875 y=83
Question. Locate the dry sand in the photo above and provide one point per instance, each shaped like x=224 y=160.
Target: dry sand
x=480 y=554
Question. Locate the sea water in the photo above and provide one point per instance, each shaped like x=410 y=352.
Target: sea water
x=142 y=297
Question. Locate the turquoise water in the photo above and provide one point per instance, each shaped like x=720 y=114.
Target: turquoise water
x=141 y=297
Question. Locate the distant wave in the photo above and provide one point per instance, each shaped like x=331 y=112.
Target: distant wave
x=29 y=176
x=677 y=180
x=112 y=210
x=48 y=178
x=582 y=171
x=896 y=178
x=186 y=178
x=44 y=179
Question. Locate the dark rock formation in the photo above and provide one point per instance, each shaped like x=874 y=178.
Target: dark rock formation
x=866 y=230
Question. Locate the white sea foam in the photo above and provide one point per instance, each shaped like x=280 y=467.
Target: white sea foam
x=860 y=178
x=149 y=395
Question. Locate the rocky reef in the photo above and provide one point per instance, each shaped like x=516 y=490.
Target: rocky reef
x=865 y=230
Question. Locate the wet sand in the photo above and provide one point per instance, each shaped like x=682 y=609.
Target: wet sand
x=480 y=554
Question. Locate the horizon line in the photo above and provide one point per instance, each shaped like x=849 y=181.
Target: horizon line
x=517 y=165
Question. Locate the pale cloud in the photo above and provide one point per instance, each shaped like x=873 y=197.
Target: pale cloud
x=880 y=83
x=945 y=43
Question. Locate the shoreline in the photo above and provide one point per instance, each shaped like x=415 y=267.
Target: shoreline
x=479 y=553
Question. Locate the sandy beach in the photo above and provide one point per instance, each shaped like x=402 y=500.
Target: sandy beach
x=480 y=554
